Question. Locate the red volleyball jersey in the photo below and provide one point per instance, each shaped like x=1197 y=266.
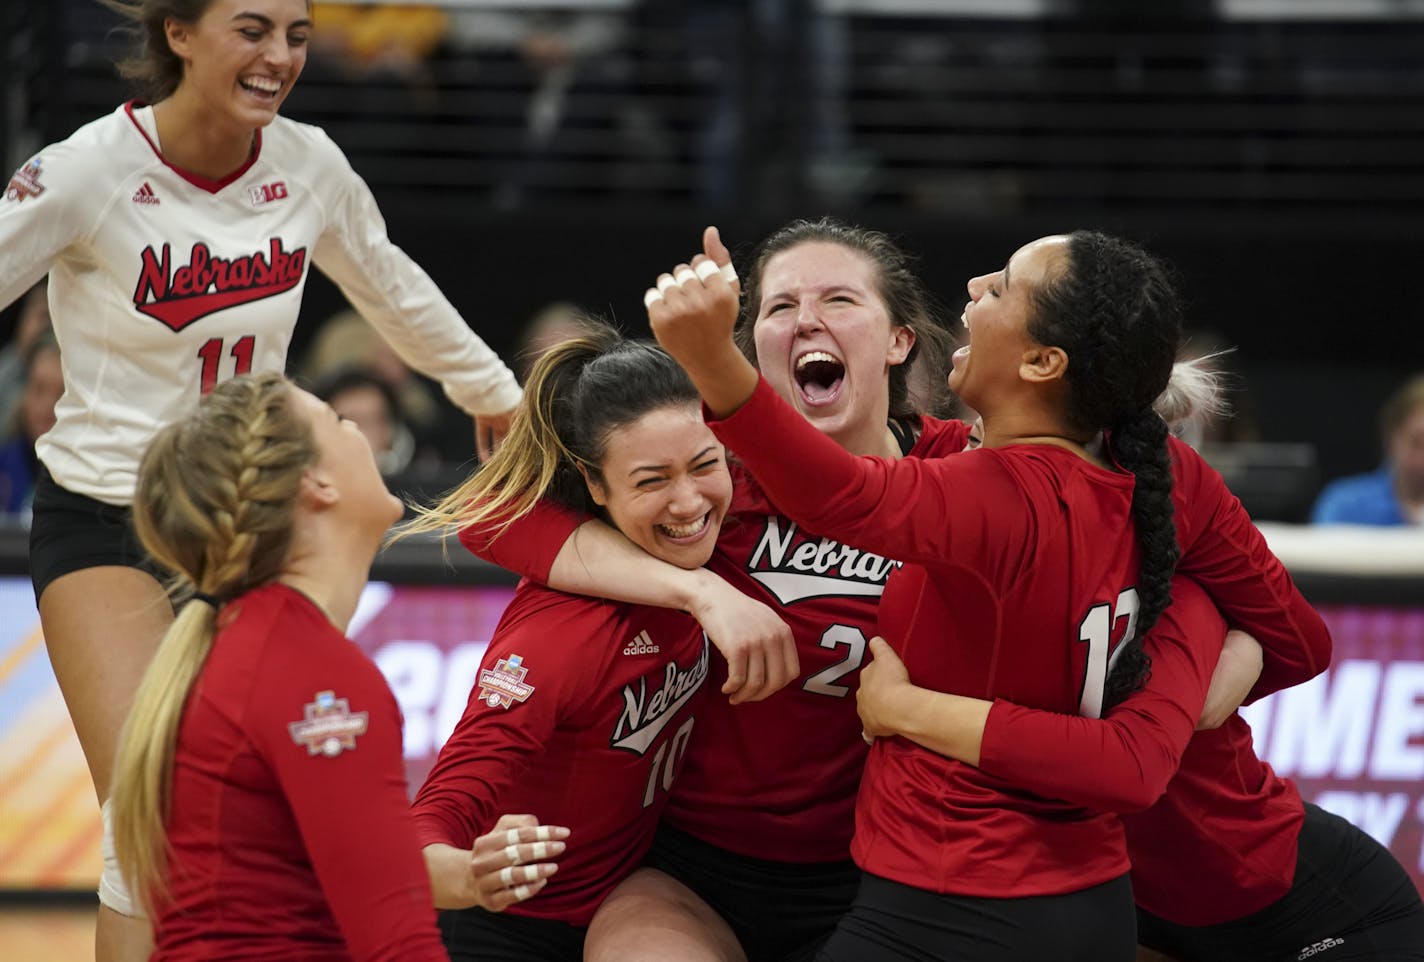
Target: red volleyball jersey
x=775 y=779
x=1124 y=761
x=1223 y=814
x=580 y=715
x=290 y=831
x=1018 y=583
x=1226 y=815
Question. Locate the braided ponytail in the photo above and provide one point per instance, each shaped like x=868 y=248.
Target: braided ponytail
x=1114 y=311
x=1139 y=444
x=214 y=505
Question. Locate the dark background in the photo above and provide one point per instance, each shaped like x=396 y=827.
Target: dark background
x=1274 y=159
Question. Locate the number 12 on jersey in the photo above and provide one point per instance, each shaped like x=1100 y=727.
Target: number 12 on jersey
x=211 y=354
x=1096 y=630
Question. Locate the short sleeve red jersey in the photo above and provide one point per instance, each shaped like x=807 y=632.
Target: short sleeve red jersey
x=1018 y=582
x=289 y=750
x=580 y=715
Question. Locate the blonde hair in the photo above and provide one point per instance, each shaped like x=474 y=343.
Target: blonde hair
x=1193 y=393
x=214 y=504
x=578 y=393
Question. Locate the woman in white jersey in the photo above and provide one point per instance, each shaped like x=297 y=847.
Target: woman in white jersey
x=177 y=235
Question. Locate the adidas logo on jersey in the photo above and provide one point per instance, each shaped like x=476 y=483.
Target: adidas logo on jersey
x=1318 y=947
x=641 y=645
x=145 y=195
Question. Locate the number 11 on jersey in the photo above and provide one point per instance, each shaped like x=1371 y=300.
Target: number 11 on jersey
x=211 y=354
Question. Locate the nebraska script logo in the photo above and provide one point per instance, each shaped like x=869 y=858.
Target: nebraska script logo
x=207 y=284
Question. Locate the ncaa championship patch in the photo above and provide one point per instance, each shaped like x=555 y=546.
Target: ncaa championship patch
x=503 y=685
x=25 y=183
x=329 y=726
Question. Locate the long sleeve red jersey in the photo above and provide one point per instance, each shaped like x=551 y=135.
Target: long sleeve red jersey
x=290 y=830
x=775 y=779
x=1018 y=583
x=580 y=715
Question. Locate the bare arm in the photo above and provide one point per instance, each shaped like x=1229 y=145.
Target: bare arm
x=598 y=560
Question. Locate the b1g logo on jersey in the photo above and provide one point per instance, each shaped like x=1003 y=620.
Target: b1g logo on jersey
x=794 y=567
x=207 y=284
x=260 y=194
x=645 y=714
x=25 y=183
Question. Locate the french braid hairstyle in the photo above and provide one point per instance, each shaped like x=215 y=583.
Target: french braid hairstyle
x=214 y=504
x=577 y=395
x=907 y=302
x=1114 y=310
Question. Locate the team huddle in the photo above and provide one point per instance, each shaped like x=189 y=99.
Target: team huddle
x=796 y=669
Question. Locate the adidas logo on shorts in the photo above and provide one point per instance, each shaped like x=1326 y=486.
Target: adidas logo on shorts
x=1318 y=947
x=145 y=195
x=641 y=645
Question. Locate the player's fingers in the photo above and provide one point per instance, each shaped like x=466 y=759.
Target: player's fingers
x=507 y=822
x=736 y=673
x=532 y=852
x=535 y=833
x=502 y=898
x=515 y=875
x=754 y=688
x=713 y=247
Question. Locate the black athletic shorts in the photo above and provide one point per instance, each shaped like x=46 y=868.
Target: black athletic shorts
x=71 y=532
x=1350 y=900
x=474 y=935
x=779 y=911
x=891 y=922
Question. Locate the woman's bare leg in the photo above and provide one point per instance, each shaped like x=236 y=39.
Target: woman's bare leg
x=101 y=627
x=652 y=916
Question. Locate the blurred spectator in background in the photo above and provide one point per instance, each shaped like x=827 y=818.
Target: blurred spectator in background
x=764 y=110
x=345 y=342
x=544 y=58
x=358 y=395
x=380 y=44
x=1393 y=494
x=42 y=382
x=553 y=324
x=33 y=320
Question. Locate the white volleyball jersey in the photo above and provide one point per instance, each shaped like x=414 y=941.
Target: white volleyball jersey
x=163 y=283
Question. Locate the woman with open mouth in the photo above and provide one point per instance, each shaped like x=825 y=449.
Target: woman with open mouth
x=1005 y=549
x=753 y=856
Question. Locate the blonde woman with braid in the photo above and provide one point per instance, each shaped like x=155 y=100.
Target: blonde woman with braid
x=260 y=808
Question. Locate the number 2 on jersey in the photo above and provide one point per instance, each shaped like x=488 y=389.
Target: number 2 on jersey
x=823 y=682
x=1096 y=630
x=211 y=355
